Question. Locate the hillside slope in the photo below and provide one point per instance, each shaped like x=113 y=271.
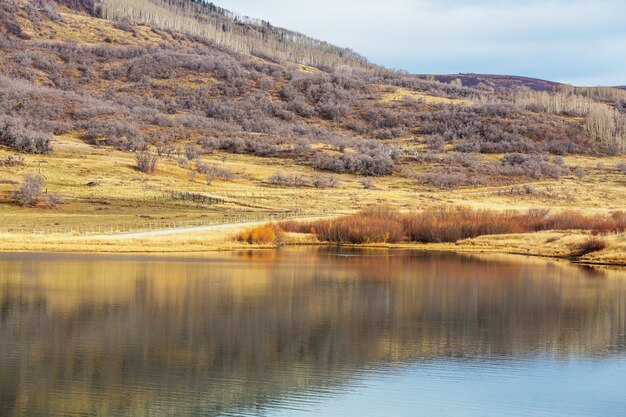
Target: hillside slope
x=89 y=102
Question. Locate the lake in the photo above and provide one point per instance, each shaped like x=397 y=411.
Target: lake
x=310 y=332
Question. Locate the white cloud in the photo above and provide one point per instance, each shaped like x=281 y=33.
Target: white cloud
x=580 y=41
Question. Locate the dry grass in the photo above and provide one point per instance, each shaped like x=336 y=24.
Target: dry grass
x=547 y=244
x=218 y=240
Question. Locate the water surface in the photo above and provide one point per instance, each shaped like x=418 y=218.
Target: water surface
x=312 y=332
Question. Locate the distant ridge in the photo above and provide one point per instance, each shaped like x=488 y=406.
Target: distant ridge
x=500 y=83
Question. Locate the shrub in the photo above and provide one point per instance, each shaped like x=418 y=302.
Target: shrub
x=182 y=161
x=192 y=151
x=264 y=149
x=579 y=172
x=52 y=200
x=435 y=143
x=372 y=226
x=212 y=171
x=266 y=234
x=325 y=181
x=590 y=245
x=446 y=179
x=146 y=162
x=12 y=161
x=279 y=178
x=15 y=29
x=124 y=24
x=332 y=111
x=29 y=193
x=449 y=224
x=302 y=147
x=376 y=164
x=16 y=136
x=367 y=183
x=535 y=166
x=284 y=180
x=50 y=11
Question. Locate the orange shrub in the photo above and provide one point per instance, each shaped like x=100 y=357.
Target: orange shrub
x=449 y=224
x=266 y=234
x=379 y=224
x=360 y=229
x=294 y=226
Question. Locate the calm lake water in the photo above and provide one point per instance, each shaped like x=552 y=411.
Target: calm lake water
x=312 y=332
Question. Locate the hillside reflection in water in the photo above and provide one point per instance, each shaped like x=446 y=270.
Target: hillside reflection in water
x=311 y=331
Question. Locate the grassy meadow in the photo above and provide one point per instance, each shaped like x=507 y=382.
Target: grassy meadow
x=124 y=195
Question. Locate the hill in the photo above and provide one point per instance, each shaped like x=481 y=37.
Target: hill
x=500 y=83
x=155 y=110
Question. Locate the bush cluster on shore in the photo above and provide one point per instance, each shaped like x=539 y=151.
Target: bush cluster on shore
x=448 y=224
x=266 y=234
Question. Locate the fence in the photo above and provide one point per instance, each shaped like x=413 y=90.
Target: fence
x=139 y=226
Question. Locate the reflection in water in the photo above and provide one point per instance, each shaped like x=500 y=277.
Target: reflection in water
x=254 y=333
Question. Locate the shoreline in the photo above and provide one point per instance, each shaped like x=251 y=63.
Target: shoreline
x=190 y=244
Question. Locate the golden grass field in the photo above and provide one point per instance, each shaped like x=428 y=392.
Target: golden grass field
x=126 y=196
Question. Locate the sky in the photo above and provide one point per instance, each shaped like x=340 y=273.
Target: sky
x=581 y=42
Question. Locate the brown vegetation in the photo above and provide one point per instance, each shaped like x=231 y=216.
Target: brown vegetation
x=590 y=245
x=449 y=224
x=261 y=235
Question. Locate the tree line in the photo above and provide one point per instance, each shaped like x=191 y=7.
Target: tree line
x=239 y=33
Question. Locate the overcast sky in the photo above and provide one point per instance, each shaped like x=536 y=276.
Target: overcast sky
x=581 y=42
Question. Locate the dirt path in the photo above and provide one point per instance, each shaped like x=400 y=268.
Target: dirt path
x=181 y=230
